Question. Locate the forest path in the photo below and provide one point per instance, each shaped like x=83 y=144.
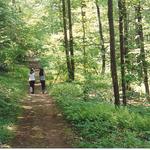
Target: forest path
x=41 y=124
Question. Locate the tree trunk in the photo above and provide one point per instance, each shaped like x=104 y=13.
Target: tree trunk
x=141 y=46
x=66 y=39
x=122 y=49
x=126 y=43
x=71 y=40
x=84 y=48
x=83 y=28
x=112 y=53
x=102 y=46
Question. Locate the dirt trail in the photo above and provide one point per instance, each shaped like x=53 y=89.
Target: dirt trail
x=41 y=125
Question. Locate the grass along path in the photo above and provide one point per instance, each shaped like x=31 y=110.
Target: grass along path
x=41 y=125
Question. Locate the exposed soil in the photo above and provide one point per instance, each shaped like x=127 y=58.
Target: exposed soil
x=41 y=125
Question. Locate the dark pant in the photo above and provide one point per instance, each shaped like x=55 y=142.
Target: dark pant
x=32 y=86
x=43 y=85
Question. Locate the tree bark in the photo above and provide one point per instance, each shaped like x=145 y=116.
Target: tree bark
x=142 y=49
x=126 y=44
x=122 y=48
x=84 y=48
x=83 y=37
x=112 y=53
x=71 y=40
x=102 y=46
x=66 y=39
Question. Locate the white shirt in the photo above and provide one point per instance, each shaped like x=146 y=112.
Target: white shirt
x=32 y=77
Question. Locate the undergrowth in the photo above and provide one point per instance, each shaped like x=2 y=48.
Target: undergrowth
x=99 y=124
x=12 y=90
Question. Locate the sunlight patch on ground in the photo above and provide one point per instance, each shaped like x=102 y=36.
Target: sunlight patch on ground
x=4 y=146
x=36 y=128
x=11 y=128
x=59 y=115
x=138 y=103
x=27 y=107
x=20 y=117
x=37 y=132
x=28 y=97
x=39 y=98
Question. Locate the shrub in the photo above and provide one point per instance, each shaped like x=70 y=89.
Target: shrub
x=12 y=90
x=99 y=123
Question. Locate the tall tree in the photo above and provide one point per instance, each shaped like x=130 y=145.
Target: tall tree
x=83 y=28
x=102 y=46
x=122 y=48
x=126 y=43
x=112 y=53
x=140 y=44
x=83 y=14
x=71 y=40
x=66 y=38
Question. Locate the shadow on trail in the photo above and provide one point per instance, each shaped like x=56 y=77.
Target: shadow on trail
x=41 y=124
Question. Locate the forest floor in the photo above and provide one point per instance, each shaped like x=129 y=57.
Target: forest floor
x=41 y=124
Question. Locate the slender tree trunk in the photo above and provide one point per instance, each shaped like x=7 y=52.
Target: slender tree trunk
x=71 y=40
x=66 y=39
x=83 y=37
x=102 y=46
x=122 y=48
x=60 y=12
x=84 y=48
x=141 y=46
x=126 y=30
x=138 y=45
x=112 y=53
x=126 y=43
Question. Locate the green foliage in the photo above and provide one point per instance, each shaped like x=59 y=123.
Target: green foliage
x=98 y=87
x=17 y=39
x=99 y=124
x=12 y=89
x=5 y=134
x=141 y=110
x=67 y=90
x=11 y=37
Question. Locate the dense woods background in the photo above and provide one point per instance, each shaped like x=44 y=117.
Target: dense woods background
x=96 y=54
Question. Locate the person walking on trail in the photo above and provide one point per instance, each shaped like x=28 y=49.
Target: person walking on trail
x=42 y=79
x=32 y=80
